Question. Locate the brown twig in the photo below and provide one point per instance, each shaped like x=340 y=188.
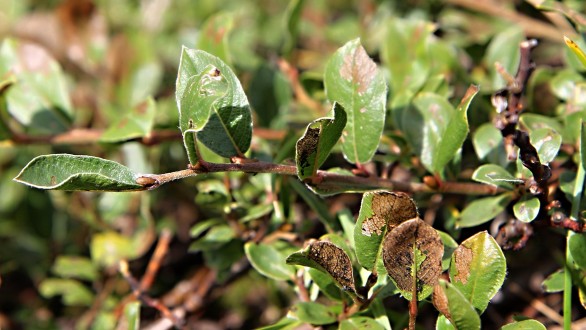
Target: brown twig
x=80 y=136
x=155 y=263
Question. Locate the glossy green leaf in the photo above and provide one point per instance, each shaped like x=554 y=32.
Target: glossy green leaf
x=132 y=315
x=455 y=133
x=360 y=323
x=314 y=313
x=412 y=255
x=526 y=210
x=353 y=80
x=213 y=37
x=577 y=247
x=554 y=281
x=449 y=301
x=212 y=105
x=534 y=121
x=74 y=293
x=314 y=147
x=380 y=211
x=524 y=325
x=478 y=269
x=547 y=142
x=285 y=323
x=268 y=261
x=495 y=175
x=39 y=99
x=442 y=323
x=486 y=139
x=72 y=172
x=327 y=257
x=76 y=267
x=504 y=49
x=450 y=245
x=136 y=123
x=575 y=48
x=482 y=210
x=108 y=248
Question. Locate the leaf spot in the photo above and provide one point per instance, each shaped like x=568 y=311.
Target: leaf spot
x=359 y=68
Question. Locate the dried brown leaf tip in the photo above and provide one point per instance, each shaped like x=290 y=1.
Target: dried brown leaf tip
x=307 y=145
x=413 y=248
x=335 y=261
x=390 y=209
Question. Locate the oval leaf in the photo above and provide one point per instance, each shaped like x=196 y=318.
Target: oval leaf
x=328 y=257
x=315 y=145
x=268 y=261
x=314 y=313
x=360 y=323
x=482 y=210
x=577 y=247
x=72 y=172
x=524 y=325
x=74 y=293
x=554 y=282
x=380 y=211
x=136 y=123
x=412 y=255
x=526 y=210
x=75 y=266
x=547 y=142
x=449 y=301
x=228 y=130
x=478 y=269
x=486 y=139
x=353 y=80
x=495 y=175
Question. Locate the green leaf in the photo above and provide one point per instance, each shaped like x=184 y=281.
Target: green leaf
x=524 y=325
x=534 y=121
x=108 y=248
x=576 y=50
x=136 y=123
x=329 y=258
x=412 y=255
x=504 y=49
x=554 y=282
x=478 y=269
x=267 y=260
x=74 y=293
x=285 y=323
x=314 y=147
x=315 y=313
x=454 y=134
x=482 y=210
x=547 y=142
x=380 y=212
x=72 y=172
x=212 y=104
x=450 y=245
x=326 y=284
x=360 y=323
x=39 y=98
x=442 y=323
x=213 y=37
x=495 y=175
x=449 y=301
x=353 y=80
x=215 y=238
x=577 y=247
x=75 y=266
x=315 y=203
x=132 y=315
x=526 y=209
x=486 y=139
x=292 y=19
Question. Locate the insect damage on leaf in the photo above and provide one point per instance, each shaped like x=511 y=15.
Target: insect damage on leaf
x=335 y=261
x=358 y=67
x=390 y=209
x=413 y=244
x=306 y=146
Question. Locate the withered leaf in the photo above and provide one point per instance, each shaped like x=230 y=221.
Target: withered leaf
x=413 y=249
x=390 y=209
x=335 y=261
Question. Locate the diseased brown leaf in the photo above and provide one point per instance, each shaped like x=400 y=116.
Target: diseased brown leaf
x=463 y=257
x=413 y=248
x=358 y=67
x=335 y=261
x=391 y=209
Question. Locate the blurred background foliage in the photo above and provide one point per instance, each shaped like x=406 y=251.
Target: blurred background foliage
x=90 y=66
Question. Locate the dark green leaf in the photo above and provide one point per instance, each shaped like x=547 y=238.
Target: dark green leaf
x=315 y=313
x=577 y=247
x=136 y=123
x=209 y=93
x=74 y=266
x=478 y=269
x=524 y=325
x=495 y=175
x=526 y=209
x=292 y=19
x=216 y=237
x=315 y=145
x=412 y=254
x=353 y=80
x=268 y=261
x=449 y=301
x=482 y=210
x=74 y=293
x=71 y=172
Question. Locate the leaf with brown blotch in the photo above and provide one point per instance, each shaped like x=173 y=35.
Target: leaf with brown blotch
x=390 y=209
x=413 y=250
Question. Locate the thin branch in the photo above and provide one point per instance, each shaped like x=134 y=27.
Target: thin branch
x=80 y=136
x=155 y=263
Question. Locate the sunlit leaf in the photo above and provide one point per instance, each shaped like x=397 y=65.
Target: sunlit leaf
x=136 y=123
x=314 y=313
x=482 y=210
x=495 y=175
x=524 y=325
x=526 y=210
x=449 y=301
x=74 y=293
x=268 y=261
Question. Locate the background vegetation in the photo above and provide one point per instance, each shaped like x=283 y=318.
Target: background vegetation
x=208 y=252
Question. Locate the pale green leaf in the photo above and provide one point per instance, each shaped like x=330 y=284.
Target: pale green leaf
x=454 y=306
x=267 y=260
x=495 y=175
x=360 y=323
x=482 y=210
x=136 y=123
x=526 y=210
x=524 y=325
x=74 y=293
x=132 y=315
x=76 y=267
x=547 y=142
x=554 y=281
x=213 y=36
x=315 y=313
